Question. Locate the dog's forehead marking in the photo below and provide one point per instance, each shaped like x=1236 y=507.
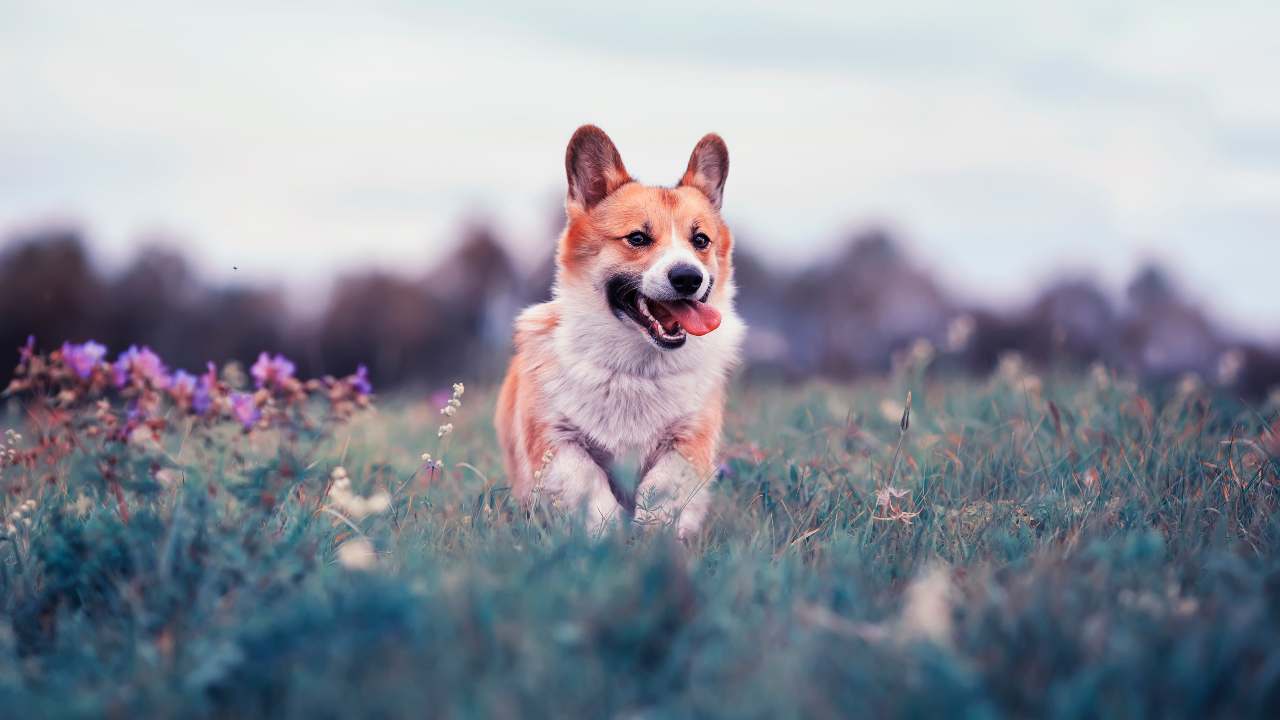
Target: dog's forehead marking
x=648 y=208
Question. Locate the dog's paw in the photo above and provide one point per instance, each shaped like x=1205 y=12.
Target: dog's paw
x=673 y=494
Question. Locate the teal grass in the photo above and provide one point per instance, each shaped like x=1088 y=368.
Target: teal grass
x=1059 y=546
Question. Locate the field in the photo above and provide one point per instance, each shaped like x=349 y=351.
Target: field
x=1069 y=545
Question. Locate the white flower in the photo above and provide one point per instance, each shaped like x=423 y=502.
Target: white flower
x=357 y=507
x=1100 y=376
x=891 y=410
x=448 y=410
x=887 y=499
x=926 y=614
x=357 y=554
x=1230 y=363
x=444 y=430
x=921 y=352
x=886 y=495
x=458 y=389
x=1189 y=384
x=959 y=332
x=352 y=505
x=378 y=502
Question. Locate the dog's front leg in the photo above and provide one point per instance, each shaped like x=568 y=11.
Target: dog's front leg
x=573 y=479
x=673 y=488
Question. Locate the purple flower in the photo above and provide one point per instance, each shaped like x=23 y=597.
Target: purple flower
x=28 y=350
x=202 y=396
x=360 y=381
x=137 y=414
x=183 y=384
x=83 y=358
x=140 y=364
x=244 y=409
x=272 y=371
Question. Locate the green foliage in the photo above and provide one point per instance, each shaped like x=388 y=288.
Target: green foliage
x=1056 y=548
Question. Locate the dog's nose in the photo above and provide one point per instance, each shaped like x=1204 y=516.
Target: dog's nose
x=685 y=279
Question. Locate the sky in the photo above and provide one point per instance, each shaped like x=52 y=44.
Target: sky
x=1006 y=143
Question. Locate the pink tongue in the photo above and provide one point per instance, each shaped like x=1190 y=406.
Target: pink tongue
x=696 y=318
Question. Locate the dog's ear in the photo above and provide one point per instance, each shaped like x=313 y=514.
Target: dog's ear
x=708 y=168
x=594 y=167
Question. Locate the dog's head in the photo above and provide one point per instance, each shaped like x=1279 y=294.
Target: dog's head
x=657 y=259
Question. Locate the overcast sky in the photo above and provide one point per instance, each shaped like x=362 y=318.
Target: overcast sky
x=1007 y=143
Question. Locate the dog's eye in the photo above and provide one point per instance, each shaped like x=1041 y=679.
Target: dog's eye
x=700 y=240
x=638 y=239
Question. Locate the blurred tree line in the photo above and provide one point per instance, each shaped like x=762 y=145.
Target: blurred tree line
x=849 y=314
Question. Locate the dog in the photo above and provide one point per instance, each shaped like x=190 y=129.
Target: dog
x=631 y=356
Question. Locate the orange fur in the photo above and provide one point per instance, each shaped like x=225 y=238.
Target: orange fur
x=520 y=423
x=699 y=441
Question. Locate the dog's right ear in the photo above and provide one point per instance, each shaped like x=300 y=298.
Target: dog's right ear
x=594 y=167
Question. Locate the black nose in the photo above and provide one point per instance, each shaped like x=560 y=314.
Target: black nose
x=685 y=279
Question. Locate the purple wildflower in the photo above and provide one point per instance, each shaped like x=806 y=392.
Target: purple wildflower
x=273 y=371
x=244 y=409
x=183 y=384
x=83 y=358
x=140 y=364
x=28 y=350
x=360 y=381
x=137 y=414
x=202 y=396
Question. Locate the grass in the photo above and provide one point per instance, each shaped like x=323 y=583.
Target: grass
x=1082 y=548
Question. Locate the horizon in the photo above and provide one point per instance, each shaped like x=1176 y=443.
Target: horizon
x=299 y=294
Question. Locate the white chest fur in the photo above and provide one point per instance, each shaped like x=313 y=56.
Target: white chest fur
x=626 y=394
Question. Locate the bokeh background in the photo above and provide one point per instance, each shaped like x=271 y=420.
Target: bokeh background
x=382 y=183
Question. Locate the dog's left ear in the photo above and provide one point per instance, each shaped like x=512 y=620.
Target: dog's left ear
x=708 y=168
x=593 y=166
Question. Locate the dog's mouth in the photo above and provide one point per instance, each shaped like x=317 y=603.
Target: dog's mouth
x=667 y=322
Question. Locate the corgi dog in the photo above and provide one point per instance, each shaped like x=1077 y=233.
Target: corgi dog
x=630 y=357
